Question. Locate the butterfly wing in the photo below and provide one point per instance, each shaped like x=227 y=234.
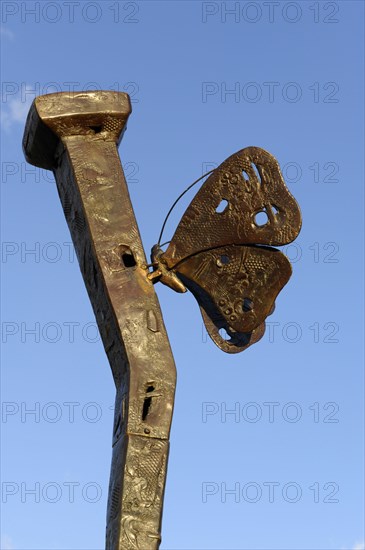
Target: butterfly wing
x=226 y=210
x=216 y=250
x=236 y=288
x=232 y=342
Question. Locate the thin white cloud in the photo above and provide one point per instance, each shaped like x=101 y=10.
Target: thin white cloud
x=14 y=111
x=359 y=546
x=6 y=33
x=7 y=543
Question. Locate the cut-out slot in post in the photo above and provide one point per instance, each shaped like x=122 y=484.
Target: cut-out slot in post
x=147 y=403
x=128 y=259
x=97 y=129
x=76 y=135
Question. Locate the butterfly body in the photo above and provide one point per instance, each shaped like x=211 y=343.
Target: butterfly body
x=223 y=254
x=162 y=273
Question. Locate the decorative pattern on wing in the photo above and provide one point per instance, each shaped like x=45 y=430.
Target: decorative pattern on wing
x=236 y=283
x=226 y=210
x=229 y=340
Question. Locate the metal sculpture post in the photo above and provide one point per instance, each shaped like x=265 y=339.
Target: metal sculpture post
x=76 y=136
x=224 y=256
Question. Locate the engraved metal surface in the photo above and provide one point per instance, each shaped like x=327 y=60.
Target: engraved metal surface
x=218 y=252
x=76 y=135
x=250 y=181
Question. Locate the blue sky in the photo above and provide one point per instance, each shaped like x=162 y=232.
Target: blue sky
x=285 y=469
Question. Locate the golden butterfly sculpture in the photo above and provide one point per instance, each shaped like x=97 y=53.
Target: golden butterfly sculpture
x=221 y=250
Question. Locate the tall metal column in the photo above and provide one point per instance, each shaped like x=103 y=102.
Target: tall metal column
x=76 y=136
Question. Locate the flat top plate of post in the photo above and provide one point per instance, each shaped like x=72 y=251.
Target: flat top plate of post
x=69 y=104
x=54 y=117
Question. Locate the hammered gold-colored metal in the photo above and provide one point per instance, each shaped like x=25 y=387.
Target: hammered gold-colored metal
x=217 y=250
x=222 y=255
x=236 y=287
x=250 y=182
x=76 y=135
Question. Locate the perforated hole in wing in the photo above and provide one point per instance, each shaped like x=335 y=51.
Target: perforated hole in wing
x=256 y=170
x=222 y=206
x=261 y=218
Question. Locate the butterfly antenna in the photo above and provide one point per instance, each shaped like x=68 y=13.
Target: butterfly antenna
x=177 y=200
